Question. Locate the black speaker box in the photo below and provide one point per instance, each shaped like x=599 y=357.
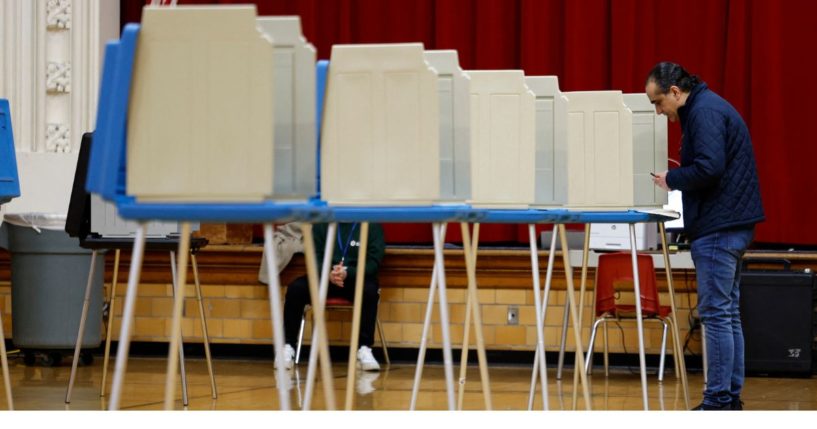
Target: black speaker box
x=777 y=310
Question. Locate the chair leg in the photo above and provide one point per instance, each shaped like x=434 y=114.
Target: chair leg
x=606 y=351
x=300 y=338
x=676 y=362
x=663 y=352
x=589 y=358
x=383 y=342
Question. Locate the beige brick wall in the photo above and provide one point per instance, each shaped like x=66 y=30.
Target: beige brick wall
x=239 y=314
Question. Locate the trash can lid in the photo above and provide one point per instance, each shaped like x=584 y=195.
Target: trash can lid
x=37 y=221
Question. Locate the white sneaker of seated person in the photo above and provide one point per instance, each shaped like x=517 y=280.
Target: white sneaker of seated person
x=288 y=358
x=365 y=359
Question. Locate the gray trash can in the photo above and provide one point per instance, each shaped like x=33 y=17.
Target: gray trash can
x=49 y=273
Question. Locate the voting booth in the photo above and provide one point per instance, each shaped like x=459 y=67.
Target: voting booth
x=454 y=87
x=551 y=141
x=295 y=135
x=183 y=123
x=650 y=151
x=503 y=150
x=380 y=137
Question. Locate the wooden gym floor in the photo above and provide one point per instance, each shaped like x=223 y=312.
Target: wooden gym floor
x=249 y=384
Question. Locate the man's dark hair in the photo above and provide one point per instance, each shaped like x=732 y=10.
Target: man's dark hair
x=666 y=74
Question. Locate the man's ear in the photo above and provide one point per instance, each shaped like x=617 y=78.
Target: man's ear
x=676 y=91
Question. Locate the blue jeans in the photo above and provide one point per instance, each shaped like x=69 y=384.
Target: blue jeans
x=717 y=259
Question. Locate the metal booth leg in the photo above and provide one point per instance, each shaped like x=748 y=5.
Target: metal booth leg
x=204 y=332
x=472 y=306
x=326 y=266
x=109 y=331
x=421 y=356
x=276 y=314
x=5 y=363
x=582 y=286
x=320 y=340
x=678 y=352
x=176 y=352
x=639 y=318
x=545 y=300
x=571 y=299
x=355 y=337
x=177 y=290
x=444 y=321
x=82 y=318
x=127 y=317
x=539 y=360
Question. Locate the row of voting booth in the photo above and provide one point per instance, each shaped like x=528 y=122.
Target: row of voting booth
x=215 y=114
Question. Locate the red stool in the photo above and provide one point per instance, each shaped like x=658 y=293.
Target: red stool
x=613 y=274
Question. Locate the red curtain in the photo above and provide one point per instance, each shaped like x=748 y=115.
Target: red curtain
x=758 y=54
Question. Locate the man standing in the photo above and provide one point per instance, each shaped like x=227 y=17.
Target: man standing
x=721 y=197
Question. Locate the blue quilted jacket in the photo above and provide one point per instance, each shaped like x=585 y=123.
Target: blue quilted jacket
x=717 y=177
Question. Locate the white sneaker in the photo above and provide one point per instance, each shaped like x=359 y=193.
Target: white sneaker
x=365 y=359
x=288 y=358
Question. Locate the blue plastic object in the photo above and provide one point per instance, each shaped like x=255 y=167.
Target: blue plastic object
x=106 y=168
x=9 y=180
x=321 y=75
x=423 y=214
x=528 y=216
x=629 y=216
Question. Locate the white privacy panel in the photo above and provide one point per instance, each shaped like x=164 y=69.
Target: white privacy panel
x=106 y=222
x=551 y=141
x=503 y=150
x=380 y=138
x=200 y=124
x=455 y=132
x=600 y=151
x=649 y=150
x=295 y=133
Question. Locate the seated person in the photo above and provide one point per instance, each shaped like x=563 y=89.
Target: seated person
x=288 y=241
x=341 y=284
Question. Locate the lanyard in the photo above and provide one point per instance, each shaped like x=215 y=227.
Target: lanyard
x=344 y=245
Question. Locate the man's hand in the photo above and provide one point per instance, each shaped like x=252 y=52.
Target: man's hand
x=338 y=275
x=660 y=180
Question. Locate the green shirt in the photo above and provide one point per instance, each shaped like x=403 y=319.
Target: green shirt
x=349 y=241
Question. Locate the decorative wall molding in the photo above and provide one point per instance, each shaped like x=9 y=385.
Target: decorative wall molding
x=58 y=77
x=59 y=14
x=58 y=138
x=50 y=65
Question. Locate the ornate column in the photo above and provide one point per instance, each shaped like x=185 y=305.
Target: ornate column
x=50 y=65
